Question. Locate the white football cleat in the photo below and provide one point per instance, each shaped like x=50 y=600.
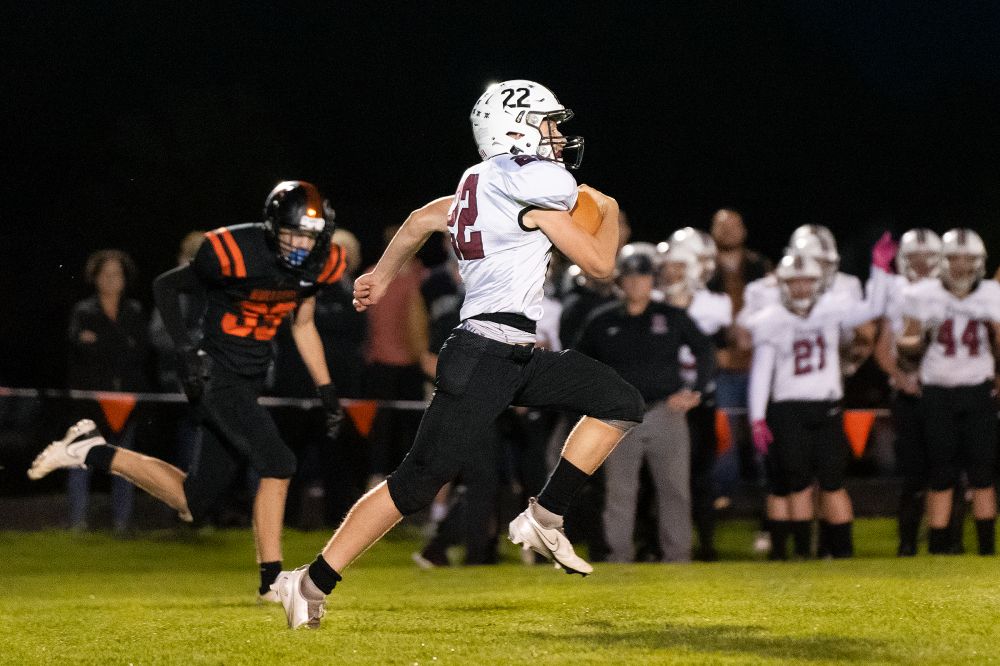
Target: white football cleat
x=70 y=452
x=762 y=542
x=299 y=610
x=549 y=542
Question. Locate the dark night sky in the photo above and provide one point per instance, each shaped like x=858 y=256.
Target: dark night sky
x=129 y=124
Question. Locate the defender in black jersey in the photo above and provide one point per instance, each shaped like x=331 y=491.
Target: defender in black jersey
x=252 y=276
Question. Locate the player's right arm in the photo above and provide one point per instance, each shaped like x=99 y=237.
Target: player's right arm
x=417 y=228
x=912 y=343
x=594 y=254
x=167 y=289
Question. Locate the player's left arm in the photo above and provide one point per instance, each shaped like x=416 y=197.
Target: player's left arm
x=594 y=254
x=308 y=342
x=412 y=235
x=993 y=331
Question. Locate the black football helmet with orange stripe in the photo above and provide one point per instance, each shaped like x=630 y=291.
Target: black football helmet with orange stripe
x=299 y=207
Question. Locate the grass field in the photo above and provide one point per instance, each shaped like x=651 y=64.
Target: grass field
x=163 y=599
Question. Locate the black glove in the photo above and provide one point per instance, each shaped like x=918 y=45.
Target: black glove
x=195 y=371
x=334 y=412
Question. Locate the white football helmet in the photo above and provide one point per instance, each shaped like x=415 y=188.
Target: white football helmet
x=820 y=247
x=520 y=107
x=671 y=254
x=799 y=267
x=815 y=230
x=701 y=243
x=919 y=241
x=955 y=244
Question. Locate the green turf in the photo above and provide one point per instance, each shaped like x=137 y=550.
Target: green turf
x=166 y=599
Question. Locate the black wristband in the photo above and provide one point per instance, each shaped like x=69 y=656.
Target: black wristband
x=328 y=394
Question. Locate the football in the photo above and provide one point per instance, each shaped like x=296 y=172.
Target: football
x=586 y=214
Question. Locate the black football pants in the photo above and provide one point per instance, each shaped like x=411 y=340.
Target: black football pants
x=477 y=378
x=235 y=430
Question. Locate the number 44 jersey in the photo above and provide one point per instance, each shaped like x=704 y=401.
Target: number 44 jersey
x=959 y=351
x=248 y=294
x=501 y=261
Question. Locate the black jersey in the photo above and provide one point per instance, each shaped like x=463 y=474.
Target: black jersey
x=644 y=348
x=249 y=293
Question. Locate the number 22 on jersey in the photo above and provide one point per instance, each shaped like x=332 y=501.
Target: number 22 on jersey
x=467 y=242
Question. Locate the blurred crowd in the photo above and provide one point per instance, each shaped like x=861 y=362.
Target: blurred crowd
x=656 y=499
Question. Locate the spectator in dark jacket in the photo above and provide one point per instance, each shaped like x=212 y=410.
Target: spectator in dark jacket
x=737 y=266
x=107 y=351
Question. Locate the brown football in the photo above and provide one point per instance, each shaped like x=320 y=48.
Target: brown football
x=586 y=214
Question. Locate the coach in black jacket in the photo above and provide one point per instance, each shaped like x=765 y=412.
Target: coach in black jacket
x=641 y=339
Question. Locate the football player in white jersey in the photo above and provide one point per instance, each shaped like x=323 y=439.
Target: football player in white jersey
x=919 y=258
x=682 y=274
x=508 y=212
x=796 y=368
x=952 y=325
x=813 y=240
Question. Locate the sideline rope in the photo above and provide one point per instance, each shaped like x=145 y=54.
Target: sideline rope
x=267 y=401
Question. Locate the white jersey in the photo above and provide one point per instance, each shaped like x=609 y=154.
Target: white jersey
x=959 y=353
x=764 y=291
x=501 y=262
x=711 y=312
x=797 y=358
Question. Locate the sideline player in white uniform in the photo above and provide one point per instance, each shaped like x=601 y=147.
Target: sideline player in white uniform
x=506 y=215
x=812 y=240
x=919 y=258
x=795 y=366
x=952 y=325
x=683 y=273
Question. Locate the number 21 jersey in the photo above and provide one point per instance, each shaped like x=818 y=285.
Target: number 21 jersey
x=502 y=262
x=807 y=361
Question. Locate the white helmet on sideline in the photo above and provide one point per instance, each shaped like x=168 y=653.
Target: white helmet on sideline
x=914 y=242
x=670 y=254
x=958 y=243
x=701 y=243
x=799 y=267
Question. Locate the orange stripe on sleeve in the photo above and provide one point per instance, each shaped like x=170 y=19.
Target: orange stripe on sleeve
x=234 y=250
x=220 y=252
x=333 y=269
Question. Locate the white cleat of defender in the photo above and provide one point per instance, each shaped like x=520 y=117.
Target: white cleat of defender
x=548 y=542
x=299 y=610
x=70 y=452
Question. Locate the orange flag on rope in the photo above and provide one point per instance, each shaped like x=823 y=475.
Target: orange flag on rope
x=117 y=410
x=857 y=425
x=723 y=435
x=362 y=412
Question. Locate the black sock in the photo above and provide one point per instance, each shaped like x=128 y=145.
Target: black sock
x=824 y=548
x=99 y=457
x=779 y=538
x=802 y=537
x=841 y=540
x=559 y=490
x=938 y=541
x=268 y=574
x=986 y=535
x=911 y=510
x=323 y=575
